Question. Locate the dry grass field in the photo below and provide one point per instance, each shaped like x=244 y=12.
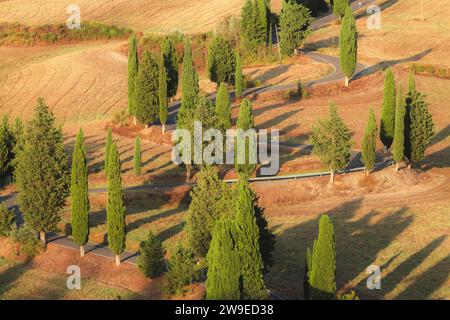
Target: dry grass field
x=404 y=37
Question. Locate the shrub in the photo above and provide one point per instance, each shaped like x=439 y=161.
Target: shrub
x=181 y=270
x=151 y=257
x=348 y=296
x=120 y=117
x=7 y=218
x=26 y=238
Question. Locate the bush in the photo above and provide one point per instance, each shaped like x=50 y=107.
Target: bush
x=151 y=257
x=7 y=218
x=120 y=117
x=26 y=237
x=181 y=270
x=348 y=296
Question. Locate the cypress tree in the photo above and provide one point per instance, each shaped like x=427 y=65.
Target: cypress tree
x=399 y=136
x=180 y=269
x=419 y=126
x=189 y=85
x=151 y=257
x=223 y=108
x=245 y=122
x=308 y=267
x=133 y=67
x=146 y=90
x=109 y=142
x=263 y=15
x=387 y=126
x=331 y=141
x=163 y=112
x=238 y=77
x=208 y=204
x=248 y=244
x=323 y=263
x=295 y=20
x=369 y=143
x=18 y=132
x=137 y=157
x=6 y=146
x=221 y=61
x=223 y=278
x=42 y=175
x=171 y=66
x=339 y=7
x=115 y=208
x=80 y=194
x=246 y=15
x=348 y=45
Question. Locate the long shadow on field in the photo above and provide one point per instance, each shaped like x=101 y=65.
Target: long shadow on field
x=359 y=240
x=165 y=214
x=9 y=276
x=387 y=64
x=390 y=281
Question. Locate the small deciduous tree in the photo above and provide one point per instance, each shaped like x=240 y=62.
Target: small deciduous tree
x=137 y=156
x=399 y=135
x=348 y=45
x=331 y=141
x=115 y=208
x=42 y=175
x=151 y=257
x=387 y=126
x=80 y=194
x=221 y=61
x=369 y=143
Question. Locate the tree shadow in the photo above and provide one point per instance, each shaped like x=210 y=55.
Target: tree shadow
x=10 y=275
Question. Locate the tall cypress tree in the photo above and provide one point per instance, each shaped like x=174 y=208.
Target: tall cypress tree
x=137 y=157
x=115 y=208
x=348 y=45
x=146 y=90
x=6 y=146
x=189 y=85
x=245 y=122
x=263 y=15
x=223 y=278
x=419 y=126
x=238 y=77
x=323 y=263
x=387 y=126
x=163 y=112
x=331 y=141
x=171 y=64
x=42 y=175
x=223 y=107
x=246 y=15
x=399 y=136
x=133 y=67
x=369 y=143
x=80 y=194
x=248 y=244
x=109 y=142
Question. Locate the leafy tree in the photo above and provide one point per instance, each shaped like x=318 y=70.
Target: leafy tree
x=146 y=90
x=369 y=143
x=295 y=20
x=133 y=67
x=80 y=194
x=221 y=61
x=189 y=86
x=181 y=269
x=399 y=136
x=419 y=126
x=163 y=111
x=323 y=262
x=137 y=157
x=223 y=107
x=239 y=83
x=348 y=45
x=108 y=145
x=331 y=139
x=208 y=204
x=115 y=208
x=339 y=7
x=387 y=127
x=7 y=218
x=171 y=66
x=224 y=267
x=248 y=243
x=42 y=175
x=245 y=122
x=151 y=257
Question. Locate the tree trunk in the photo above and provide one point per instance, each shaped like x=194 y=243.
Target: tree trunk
x=410 y=166
x=367 y=172
x=163 y=129
x=347 y=80
x=82 y=251
x=332 y=176
x=42 y=237
x=188 y=172
x=117 y=260
x=397 y=165
x=134 y=120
